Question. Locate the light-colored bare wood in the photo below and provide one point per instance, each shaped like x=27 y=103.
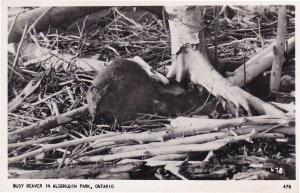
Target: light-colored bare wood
x=278 y=50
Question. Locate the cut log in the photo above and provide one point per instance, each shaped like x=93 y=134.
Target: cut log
x=55 y=16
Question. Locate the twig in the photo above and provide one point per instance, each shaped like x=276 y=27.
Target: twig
x=17 y=73
x=279 y=125
x=12 y=25
x=63 y=160
x=126 y=18
x=216 y=19
x=36 y=141
x=32 y=27
x=48 y=97
x=18 y=50
x=196 y=111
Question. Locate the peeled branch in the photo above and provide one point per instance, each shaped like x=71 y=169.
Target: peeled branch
x=175 y=149
x=279 y=50
x=257 y=64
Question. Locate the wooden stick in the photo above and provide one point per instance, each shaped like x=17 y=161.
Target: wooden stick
x=49 y=123
x=257 y=64
x=36 y=141
x=18 y=50
x=50 y=147
x=197 y=139
x=182 y=126
x=176 y=149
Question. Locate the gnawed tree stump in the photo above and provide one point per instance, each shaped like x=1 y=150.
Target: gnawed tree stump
x=190 y=60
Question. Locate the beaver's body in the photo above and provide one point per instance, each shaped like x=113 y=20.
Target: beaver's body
x=120 y=91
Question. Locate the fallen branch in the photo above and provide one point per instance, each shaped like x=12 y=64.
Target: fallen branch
x=14 y=65
x=269 y=136
x=169 y=157
x=55 y=16
x=181 y=126
x=286 y=130
x=36 y=141
x=189 y=124
x=185 y=126
x=49 y=123
x=50 y=147
x=256 y=65
x=53 y=59
x=197 y=139
x=176 y=149
x=287 y=107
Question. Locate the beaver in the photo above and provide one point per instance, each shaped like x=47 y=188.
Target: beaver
x=120 y=91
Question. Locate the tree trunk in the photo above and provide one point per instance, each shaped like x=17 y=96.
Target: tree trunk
x=191 y=59
x=278 y=50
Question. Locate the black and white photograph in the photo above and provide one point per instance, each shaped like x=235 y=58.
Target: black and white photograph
x=167 y=92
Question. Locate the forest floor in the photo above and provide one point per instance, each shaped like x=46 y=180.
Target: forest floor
x=127 y=33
